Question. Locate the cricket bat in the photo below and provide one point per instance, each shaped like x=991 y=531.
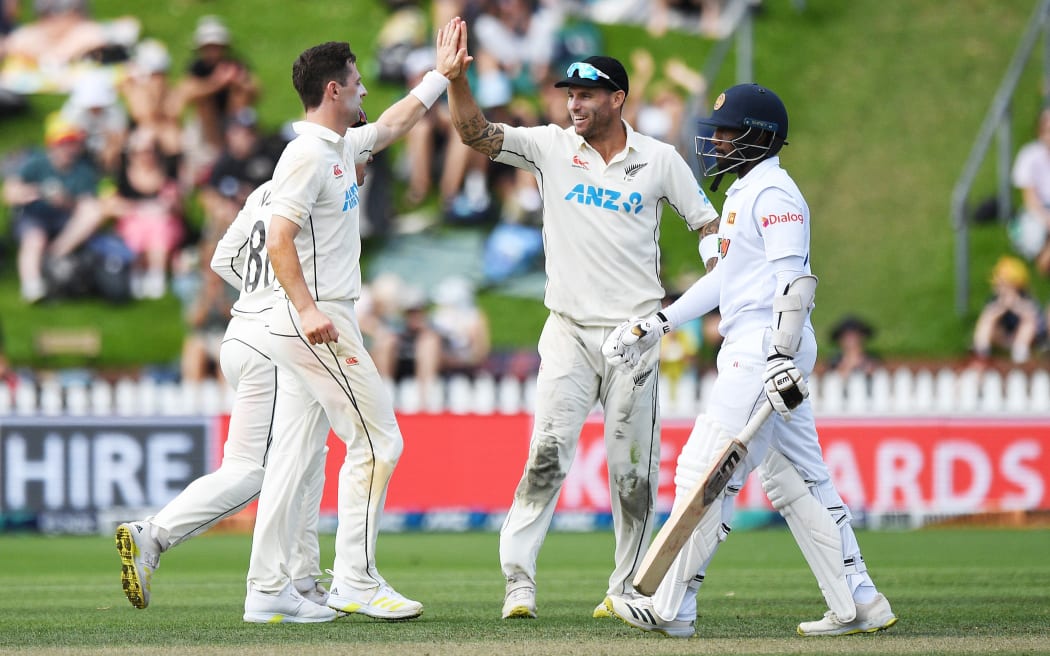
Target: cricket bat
x=687 y=515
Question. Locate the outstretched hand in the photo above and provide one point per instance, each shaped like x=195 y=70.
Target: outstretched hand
x=452 y=58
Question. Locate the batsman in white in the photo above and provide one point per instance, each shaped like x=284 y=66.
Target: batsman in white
x=764 y=289
x=324 y=374
x=240 y=259
x=603 y=188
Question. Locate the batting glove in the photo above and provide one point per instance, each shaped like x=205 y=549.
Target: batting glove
x=785 y=386
x=646 y=333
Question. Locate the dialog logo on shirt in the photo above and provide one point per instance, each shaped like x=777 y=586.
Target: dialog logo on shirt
x=336 y=171
x=789 y=217
x=578 y=163
x=723 y=246
x=351 y=361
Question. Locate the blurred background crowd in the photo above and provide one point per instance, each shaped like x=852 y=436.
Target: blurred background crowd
x=142 y=168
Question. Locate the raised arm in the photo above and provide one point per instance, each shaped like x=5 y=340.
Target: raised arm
x=451 y=62
x=474 y=129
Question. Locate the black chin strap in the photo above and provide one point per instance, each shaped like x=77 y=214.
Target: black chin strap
x=717 y=181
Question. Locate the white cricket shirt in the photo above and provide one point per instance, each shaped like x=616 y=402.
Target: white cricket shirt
x=601 y=221
x=240 y=256
x=315 y=186
x=764 y=218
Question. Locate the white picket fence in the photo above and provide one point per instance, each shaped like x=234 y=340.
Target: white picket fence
x=900 y=392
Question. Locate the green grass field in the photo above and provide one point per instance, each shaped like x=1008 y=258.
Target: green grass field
x=956 y=591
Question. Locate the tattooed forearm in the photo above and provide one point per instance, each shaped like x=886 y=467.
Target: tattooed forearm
x=479 y=134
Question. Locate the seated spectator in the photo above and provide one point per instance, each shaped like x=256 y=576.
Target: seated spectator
x=1012 y=319
x=517 y=39
x=54 y=200
x=217 y=85
x=246 y=161
x=150 y=97
x=404 y=343
x=62 y=32
x=851 y=335
x=93 y=106
x=428 y=147
x=1030 y=230
x=462 y=325
x=148 y=210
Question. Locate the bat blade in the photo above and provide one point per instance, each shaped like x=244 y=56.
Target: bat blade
x=687 y=515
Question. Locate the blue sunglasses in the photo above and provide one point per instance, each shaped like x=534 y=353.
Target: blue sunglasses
x=589 y=72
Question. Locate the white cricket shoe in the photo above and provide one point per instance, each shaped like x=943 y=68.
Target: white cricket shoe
x=520 y=599
x=601 y=612
x=871 y=617
x=139 y=557
x=312 y=589
x=383 y=602
x=638 y=612
x=285 y=606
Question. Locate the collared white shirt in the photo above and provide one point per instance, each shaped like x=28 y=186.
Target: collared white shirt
x=601 y=220
x=764 y=218
x=315 y=185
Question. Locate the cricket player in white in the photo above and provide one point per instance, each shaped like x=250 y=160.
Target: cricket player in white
x=603 y=187
x=325 y=375
x=240 y=259
x=764 y=289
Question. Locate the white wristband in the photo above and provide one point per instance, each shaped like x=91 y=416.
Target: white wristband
x=430 y=88
x=708 y=248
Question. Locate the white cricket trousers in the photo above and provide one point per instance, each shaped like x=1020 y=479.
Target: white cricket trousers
x=574 y=376
x=738 y=392
x=236 y=483
x=327 y=385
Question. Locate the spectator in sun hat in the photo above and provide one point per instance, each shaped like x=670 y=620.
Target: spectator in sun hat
x=54 y=185
x=1011 y=319
x=851 y=334
x=217 y=84
x=95 y=107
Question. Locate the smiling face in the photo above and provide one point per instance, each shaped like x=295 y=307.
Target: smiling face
x=594 y=111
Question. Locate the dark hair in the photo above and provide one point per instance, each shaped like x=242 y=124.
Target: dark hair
x=318 y=66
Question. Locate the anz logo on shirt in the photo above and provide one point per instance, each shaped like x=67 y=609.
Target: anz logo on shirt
x=607 y=199
x=350 y=198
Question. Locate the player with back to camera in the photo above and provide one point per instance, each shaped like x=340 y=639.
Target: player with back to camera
x=325 y=376
x=603 y=186
x=764 y=289
x=240 y=259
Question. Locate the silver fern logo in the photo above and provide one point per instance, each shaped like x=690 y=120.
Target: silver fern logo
x=630 y=171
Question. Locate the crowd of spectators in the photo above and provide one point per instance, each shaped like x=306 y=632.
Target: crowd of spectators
x=144 y=167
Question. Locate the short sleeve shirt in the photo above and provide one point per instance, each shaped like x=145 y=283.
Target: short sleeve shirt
x=601 y=221
x=81 y=179
x=315 y=186
x=764 y=219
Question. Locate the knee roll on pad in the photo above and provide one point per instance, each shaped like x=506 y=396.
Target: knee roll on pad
x=707 y=439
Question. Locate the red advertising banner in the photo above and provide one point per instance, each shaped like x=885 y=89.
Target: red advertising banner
x=472 y=462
